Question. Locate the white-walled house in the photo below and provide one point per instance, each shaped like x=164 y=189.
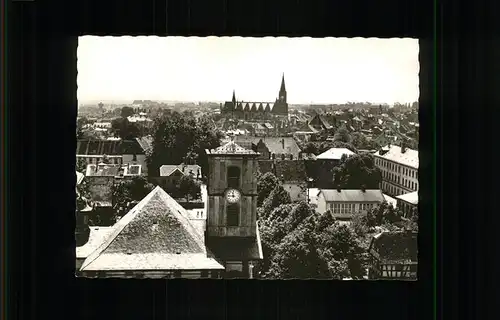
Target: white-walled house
x=399 y=167
x=344 y=203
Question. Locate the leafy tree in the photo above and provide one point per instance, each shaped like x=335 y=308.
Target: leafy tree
x=277 y=197
x=342 y=135
x=265 y=184
x=188 y=187
x=125 y=129
x=310 y=148
x=129 y=190
x=340 y=244
x=357 y=172
x=127 y=112
x=81 y=165
x=384 y=213
x=181 y=138
x=297 y=256
x=360 y=141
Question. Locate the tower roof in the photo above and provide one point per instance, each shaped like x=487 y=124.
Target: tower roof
x=231 y=148
x=283 y=83
x=155 y=235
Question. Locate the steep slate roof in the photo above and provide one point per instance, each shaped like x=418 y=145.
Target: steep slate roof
x=319 y=121
x=275 y=145
x=409 y=158
x=334 y=154
x=370 y=195
x=411 y=197
x=231 y=148
x=108 y=147
x=291 y=170
x=155 y=235
x=396 y=246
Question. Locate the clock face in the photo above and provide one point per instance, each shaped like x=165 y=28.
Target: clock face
x=232 y=196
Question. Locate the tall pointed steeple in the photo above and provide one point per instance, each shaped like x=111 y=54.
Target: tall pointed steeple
x=234 y=98
x=282 y=94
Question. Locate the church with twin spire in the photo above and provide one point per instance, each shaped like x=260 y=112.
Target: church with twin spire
x=252 y=110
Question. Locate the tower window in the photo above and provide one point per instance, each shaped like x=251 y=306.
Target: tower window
x=233 y=177
x=233 y=214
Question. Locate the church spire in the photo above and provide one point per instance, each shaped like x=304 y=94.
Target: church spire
x=234 y=97
x=283 y=83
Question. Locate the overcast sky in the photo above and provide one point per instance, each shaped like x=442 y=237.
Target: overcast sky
x=327 y=70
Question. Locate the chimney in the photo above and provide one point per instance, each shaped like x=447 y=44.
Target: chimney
x=403 y=146
x=363 y=188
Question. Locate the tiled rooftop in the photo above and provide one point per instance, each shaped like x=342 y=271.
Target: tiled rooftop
x=370 y=195
x=231 y=148
x=155 y=234
x=411 y=197
x=408 y=158
x=334 y=154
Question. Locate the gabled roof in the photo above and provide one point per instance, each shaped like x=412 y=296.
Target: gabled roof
x=231 y=148
x=411 y=197
x=167 y=170
x=396 y=246
x=275 y=145
x=108 y=147
x=334 y=154
x=370 y=195
x=409 y=158
x=155 y=235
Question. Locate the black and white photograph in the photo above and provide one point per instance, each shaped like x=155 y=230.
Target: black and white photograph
x=247 y=158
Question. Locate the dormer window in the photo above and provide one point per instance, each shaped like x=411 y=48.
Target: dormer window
x=233 y=177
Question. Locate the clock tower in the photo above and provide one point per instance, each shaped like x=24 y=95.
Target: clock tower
x=231 y=229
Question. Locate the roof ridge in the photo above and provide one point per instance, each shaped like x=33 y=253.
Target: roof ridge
x=119 y=226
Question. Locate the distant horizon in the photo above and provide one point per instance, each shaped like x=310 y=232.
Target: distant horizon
x=129 y=102
x=316 y=70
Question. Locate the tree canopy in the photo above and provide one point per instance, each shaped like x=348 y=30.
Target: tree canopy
x=125 y=129
x=356 y=172
x=180 y=138
x=265 y=184
x=360 y=141
x=300 y=243
x=127 y=112
x=342 y=135
x=127 y=191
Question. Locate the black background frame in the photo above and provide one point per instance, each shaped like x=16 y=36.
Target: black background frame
x=42 y=108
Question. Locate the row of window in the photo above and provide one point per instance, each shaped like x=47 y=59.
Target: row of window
x=406 y=208
x=395 y=271
x=402 y=181
x=349 y=208
x=391 y=189
x=397 y=168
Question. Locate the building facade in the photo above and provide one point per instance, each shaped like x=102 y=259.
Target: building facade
x=399 y=166
x=343 y=204
x=257 y=110
x=231 y=229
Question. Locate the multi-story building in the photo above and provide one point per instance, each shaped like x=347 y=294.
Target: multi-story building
x=342 y=204
x=257 y=110
x=399 y=166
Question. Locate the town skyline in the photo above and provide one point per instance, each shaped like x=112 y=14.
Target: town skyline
x=124 y=69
